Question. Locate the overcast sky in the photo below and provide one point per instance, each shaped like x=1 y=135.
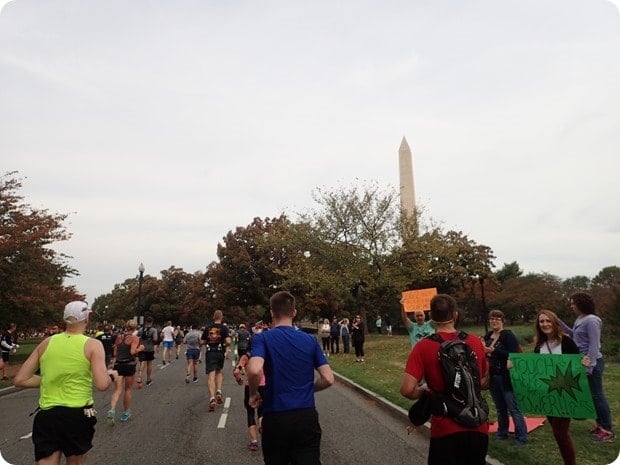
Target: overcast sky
x=160 y=126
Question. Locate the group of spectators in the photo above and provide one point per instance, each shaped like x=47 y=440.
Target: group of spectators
x=453 y=443
x=353 y=332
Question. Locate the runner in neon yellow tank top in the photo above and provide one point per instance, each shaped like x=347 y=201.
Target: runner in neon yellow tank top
x=69 y=362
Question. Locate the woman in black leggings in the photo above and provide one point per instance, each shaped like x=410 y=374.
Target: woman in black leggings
x=358 y=335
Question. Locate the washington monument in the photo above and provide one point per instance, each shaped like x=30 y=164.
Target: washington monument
x=407 y=191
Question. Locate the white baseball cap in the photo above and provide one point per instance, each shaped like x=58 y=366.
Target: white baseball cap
x=76 y=311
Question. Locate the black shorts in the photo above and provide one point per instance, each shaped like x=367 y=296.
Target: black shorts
x=125 y=369
x=146 y=356
x=5 y=356
x=214 y=360
x=62 y=428
x=293 y=436
x=251 y=411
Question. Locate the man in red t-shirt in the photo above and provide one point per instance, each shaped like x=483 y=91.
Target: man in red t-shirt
x=451 y=443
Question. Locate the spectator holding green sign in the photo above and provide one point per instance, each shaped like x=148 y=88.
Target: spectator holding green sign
x=550 y=339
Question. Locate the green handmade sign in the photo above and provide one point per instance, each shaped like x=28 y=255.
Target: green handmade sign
x=553 y=385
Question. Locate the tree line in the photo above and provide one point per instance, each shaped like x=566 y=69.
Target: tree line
x=355 y=252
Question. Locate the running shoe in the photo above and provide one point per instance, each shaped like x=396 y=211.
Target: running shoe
x=149 y=382
x=595 y=430
x=195 y=379
x=139 y=383
x=110 y=417
x=212 y=405
x=219 y=397
x=163 y=362
x=253 y=446
x=126 y=415
x=603 y=436
x=186 y=379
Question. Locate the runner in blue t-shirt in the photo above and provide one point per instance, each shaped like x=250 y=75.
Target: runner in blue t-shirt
x=289 y=359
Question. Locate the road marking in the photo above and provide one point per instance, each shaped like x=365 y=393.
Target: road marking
x=224 y=416
x=28 y=436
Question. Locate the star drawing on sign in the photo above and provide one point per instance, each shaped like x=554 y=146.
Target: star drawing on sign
x=563 y=381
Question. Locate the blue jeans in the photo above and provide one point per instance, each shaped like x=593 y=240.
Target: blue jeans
x=595 y=380
x=506 y=403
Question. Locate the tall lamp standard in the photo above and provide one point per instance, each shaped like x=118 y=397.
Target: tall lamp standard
x=484 y=304
x=140 y=279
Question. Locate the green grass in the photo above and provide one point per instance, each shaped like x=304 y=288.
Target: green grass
x=19 y=357
x=383 y=371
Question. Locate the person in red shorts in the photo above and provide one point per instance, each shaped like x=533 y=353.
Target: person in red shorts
x=451 y=443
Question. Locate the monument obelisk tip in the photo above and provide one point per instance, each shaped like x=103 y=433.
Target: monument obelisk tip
x=404 y=145
x=407 y=190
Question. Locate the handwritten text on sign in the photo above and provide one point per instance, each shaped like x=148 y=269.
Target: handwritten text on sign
x=419 y=299
x=553 y=385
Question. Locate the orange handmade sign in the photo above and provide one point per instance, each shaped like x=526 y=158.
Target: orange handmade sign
x=419 y=299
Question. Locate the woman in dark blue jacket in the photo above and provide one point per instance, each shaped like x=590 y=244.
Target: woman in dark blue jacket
x=500 y=343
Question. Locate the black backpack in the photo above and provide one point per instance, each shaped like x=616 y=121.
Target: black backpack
x=146 y=334
x=462 y=398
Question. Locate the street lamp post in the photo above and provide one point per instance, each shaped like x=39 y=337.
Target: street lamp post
x=140 y=279
x=484 y=304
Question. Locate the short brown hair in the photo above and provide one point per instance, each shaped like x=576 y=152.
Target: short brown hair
x=497 y=314
x=443 y=307
x=283 y=304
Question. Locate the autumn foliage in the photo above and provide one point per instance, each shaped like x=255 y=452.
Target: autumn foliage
x=31 y=271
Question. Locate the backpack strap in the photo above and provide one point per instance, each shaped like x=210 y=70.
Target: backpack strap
x=462 y=335
x=435 y=337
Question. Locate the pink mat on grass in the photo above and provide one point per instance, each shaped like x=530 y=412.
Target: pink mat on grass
x=532 y=423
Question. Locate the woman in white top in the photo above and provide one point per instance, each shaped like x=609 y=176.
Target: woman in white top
x=550 y=339
x=324 y=332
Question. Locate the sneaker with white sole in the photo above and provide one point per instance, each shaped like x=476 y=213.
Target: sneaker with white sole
x=253 y=446
x=603 y=436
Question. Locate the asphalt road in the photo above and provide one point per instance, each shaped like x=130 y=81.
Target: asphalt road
x=171 y=425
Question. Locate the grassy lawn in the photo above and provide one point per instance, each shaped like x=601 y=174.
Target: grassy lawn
x=382 y=373
x=16 y=359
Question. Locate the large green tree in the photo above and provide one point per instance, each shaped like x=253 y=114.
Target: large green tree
x=251 y=260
